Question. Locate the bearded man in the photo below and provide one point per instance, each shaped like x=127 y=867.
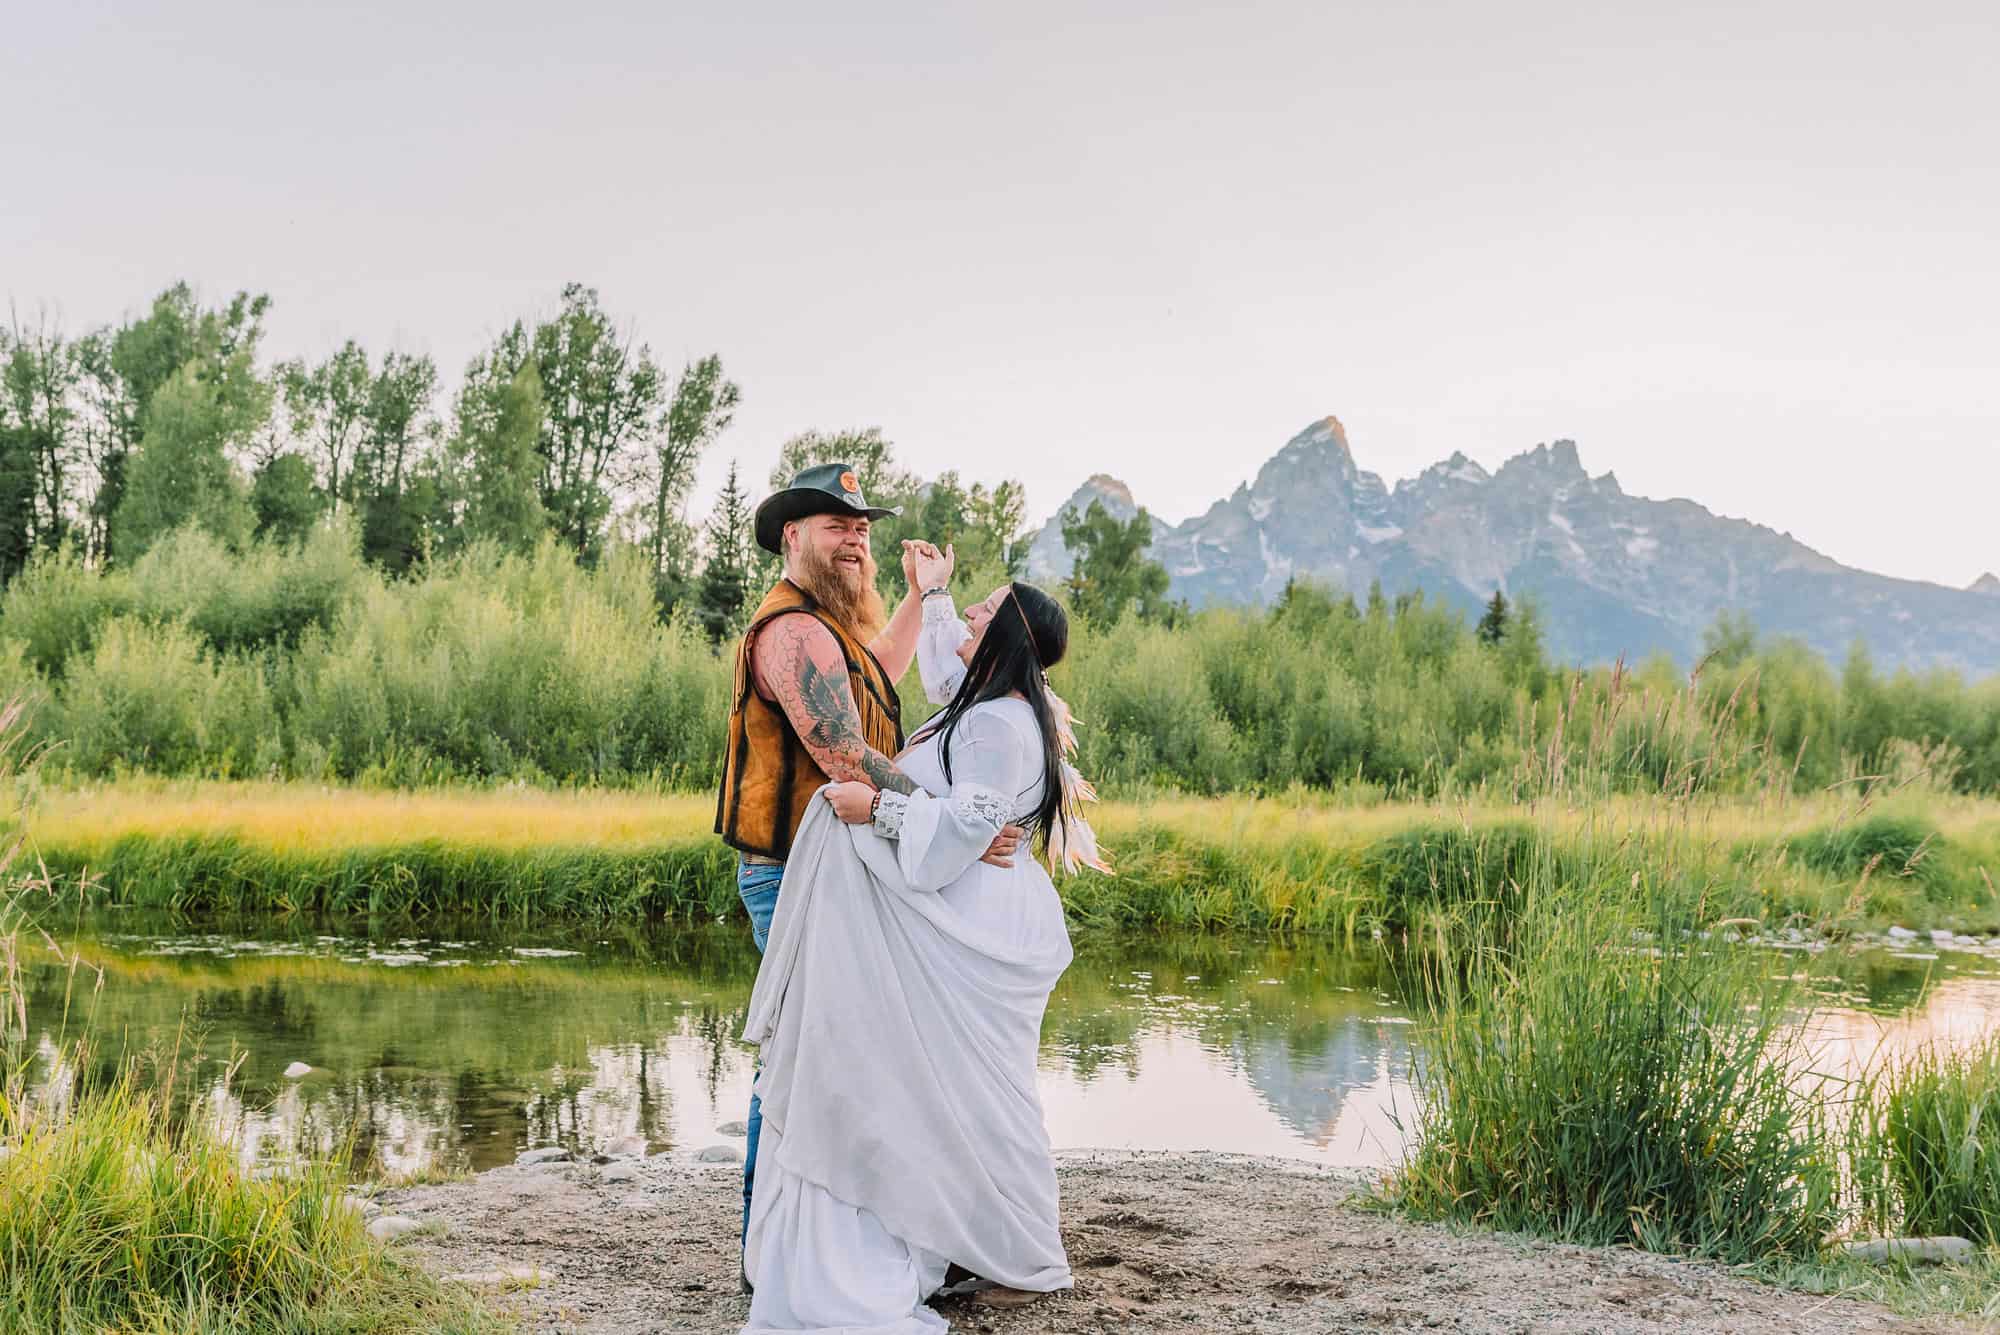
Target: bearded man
x=815 y=699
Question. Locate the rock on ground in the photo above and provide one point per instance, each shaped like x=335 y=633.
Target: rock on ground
x=1159 y=1242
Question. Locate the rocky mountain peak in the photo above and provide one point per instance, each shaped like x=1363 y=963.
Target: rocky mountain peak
x=1988 y=584
x=1555 y=465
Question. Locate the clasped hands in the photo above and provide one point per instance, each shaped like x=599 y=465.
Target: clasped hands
x=925 y=567
x=854 y=802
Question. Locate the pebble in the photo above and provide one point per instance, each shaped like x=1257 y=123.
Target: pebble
x=621 y=1172
x=501 y=1276
x=1913 y=1249
x=718 y=1154
x=1940 y=937
x=296 y=1069
x=392 y=1226
x=546 y=1154
x=1901 y=934
x=732 y=1129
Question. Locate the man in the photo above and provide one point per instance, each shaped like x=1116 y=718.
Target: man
x=815 y=698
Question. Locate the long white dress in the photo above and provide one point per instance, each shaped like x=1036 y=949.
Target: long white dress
x=899 y=1011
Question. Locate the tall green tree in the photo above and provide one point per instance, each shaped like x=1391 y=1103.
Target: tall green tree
x=208 y=357
x=182 y=473
x=394 y=491
x=725 y=577
x=327 y=406
x=1110 y=571
x=1493 y=625
x=499 y=428
x=1730 y=639
x=40 y=371
x=702 y=407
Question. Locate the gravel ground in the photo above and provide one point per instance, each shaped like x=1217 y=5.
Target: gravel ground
x=1159 y=1242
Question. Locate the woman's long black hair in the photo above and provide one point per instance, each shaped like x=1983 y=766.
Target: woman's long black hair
x=1028 y=634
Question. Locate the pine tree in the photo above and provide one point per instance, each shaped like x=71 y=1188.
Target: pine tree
x=1493 y=626
x=725 y=580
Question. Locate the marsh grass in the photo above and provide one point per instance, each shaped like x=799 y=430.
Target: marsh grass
x=1930 y=1139
x=1607 y=1077
x=115 y=1216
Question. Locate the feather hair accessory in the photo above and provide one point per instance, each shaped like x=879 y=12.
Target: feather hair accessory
x=1072 y=844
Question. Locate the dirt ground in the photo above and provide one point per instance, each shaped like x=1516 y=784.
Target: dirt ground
x=1159 y=1242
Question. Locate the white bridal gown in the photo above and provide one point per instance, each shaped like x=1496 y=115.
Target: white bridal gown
x=899 y=1010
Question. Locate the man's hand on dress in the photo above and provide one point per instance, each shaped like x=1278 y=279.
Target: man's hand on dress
x=1000 y=853
x=853 y=802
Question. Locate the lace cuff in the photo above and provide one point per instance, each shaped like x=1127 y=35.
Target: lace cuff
x=939 y=610
x=983 y=804
x=889 y=814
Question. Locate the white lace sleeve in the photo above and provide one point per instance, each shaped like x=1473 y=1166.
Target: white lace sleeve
x=938 y=838
x=937 y=650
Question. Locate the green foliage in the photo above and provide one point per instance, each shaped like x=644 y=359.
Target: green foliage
x=284 y=499
x=182 y=474
x=1110 y=571
x=499 y=424
x=1583 y=1087
x=1933 y=1126
x=725 y=580
x=1493 y=625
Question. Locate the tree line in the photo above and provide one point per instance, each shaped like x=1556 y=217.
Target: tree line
x=564 y=426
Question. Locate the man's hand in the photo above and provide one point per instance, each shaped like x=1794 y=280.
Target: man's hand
x=1000 y=853
x=910 y=568
x=852 y=802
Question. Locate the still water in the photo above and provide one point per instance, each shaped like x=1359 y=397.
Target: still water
x=461 y=1049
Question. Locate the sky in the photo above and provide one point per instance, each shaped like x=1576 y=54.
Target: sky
x=1745 y=253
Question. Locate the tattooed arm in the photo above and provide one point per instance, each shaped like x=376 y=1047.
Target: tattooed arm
x=798 y=664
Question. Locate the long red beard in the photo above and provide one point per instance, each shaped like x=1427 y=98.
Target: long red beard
x=850 y=599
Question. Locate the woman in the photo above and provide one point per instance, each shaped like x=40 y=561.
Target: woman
x=900 y=1002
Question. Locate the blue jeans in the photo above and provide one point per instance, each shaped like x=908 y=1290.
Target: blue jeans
x=757 y=883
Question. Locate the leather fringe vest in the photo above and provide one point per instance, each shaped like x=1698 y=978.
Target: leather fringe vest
x=768 y=776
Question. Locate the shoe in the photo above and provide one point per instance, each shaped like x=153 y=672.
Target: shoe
x=745 y=1287
x=958 y=1281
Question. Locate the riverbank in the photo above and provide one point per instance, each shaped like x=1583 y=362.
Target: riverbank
x=1294 y=863
x=1190 y=1241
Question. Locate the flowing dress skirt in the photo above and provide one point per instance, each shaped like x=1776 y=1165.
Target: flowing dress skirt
x=902 y=1127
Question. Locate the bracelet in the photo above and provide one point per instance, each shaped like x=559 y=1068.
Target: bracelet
x=874 y=805
x=939 y=591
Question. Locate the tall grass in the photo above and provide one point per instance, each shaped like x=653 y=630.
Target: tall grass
x=116 y=1216
x=1609 y=1078
x=1932 y=1131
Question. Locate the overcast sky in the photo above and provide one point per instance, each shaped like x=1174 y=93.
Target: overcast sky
x=1747 y=253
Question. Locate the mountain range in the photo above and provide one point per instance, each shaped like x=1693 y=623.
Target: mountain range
x=1612 y=575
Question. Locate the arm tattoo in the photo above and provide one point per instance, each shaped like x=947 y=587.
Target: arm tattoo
x=807 y=674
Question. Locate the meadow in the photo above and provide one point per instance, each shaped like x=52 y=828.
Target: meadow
x=1306 y=863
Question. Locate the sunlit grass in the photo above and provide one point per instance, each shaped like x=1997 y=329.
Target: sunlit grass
x=1301 y=862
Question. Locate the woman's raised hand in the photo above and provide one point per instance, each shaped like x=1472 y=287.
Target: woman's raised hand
x=934 y=567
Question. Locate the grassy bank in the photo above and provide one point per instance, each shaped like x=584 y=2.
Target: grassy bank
x=1600 y=1073
x=1306 y=864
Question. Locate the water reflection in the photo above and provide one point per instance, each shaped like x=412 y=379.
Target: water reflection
x=457 y=1051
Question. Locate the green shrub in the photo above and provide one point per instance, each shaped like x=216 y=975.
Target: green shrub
x=152 y=697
